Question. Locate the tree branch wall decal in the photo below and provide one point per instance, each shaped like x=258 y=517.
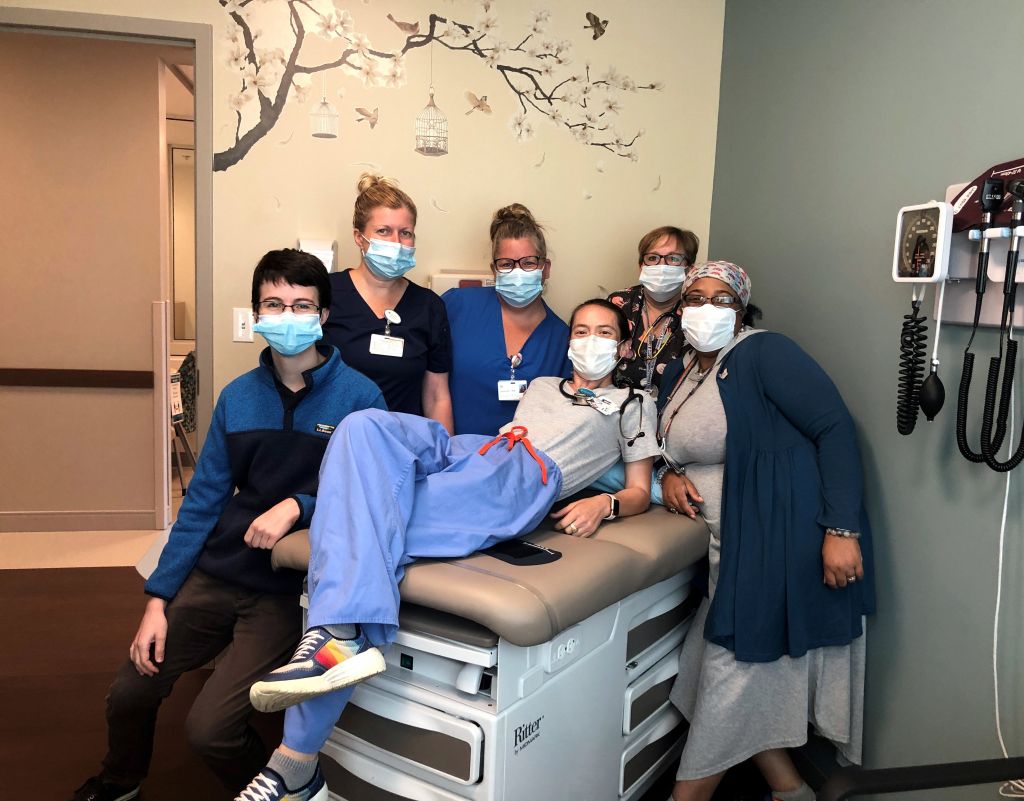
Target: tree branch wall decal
x=538 y=70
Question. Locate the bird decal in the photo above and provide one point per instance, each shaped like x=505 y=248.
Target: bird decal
x=478 y=103
x=368 y=116
x=410 y=27
x=596 y=24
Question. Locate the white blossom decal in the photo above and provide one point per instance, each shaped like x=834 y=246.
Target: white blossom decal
x=265 y=48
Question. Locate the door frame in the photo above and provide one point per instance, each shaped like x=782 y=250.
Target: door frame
x=200 y=37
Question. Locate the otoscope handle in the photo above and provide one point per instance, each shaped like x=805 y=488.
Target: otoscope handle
x=982 y=282
x=1010 y=280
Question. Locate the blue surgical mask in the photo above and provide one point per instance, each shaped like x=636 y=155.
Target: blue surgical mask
x=520 y=287
x=387 y=259
x=289 y=333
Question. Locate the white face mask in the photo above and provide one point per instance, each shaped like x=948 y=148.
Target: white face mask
x=593 y=357
x=662 y=281
x=708 y=328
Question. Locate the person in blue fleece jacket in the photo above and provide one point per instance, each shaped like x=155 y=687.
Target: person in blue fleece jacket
x=255 y=482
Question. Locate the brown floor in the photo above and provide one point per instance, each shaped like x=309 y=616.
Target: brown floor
x=63 y=633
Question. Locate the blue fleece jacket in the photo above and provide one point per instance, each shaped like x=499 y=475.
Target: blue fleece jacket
x=265 y=444
x=792 y=469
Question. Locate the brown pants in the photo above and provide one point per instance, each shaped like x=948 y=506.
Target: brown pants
x=205 y=617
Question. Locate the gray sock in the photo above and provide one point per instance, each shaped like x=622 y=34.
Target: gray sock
x=343 y=631
x=295 y=772
x=801 y=793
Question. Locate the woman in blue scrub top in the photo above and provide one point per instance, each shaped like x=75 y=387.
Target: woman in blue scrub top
x=504 y=336
x=391 y=330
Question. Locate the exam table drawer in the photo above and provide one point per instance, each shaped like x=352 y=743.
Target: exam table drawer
x=648 y=695
x=354 y=777
x=652 y=749
x=413 y=734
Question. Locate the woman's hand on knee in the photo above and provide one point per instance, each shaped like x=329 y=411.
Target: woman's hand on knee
x=151 y=637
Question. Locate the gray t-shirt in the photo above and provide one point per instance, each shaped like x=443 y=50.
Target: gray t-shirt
x=582 y=441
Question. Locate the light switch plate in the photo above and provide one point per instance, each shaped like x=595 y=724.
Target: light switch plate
x=241 y=327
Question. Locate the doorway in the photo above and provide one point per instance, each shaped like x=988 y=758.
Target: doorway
x=85 y=397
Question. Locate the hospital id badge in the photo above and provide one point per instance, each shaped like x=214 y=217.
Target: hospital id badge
x=511 y=390
x=382 y=345
x=604 y=405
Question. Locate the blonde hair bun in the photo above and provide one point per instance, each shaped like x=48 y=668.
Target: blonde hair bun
x=515 y=221
x=373 y=191
x=514 y=211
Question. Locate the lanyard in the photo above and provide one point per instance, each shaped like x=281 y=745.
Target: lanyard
x=514 y=361
x=682 y=379
x=653 y=350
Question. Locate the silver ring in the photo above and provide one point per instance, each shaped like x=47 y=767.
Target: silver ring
x=672 y=509
x=571 y=528
x=851 y=579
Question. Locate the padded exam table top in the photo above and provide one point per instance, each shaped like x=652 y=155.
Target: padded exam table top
x=530 y=604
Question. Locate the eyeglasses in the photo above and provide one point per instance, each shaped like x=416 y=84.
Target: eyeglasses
x=527 y=263
x=671 y=259
x=721 y=301
x=277 y=307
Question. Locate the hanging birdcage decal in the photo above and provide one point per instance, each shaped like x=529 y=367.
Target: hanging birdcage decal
x=432 y=130
x=323 y=120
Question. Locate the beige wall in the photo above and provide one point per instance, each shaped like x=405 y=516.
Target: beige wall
x=80 y=219
x=595 y=204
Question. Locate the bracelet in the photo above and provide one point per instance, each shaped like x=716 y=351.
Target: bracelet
x=664 y=469
x=843 y=532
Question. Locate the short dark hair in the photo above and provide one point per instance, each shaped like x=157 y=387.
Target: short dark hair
x=620 y=316
x=295 y=267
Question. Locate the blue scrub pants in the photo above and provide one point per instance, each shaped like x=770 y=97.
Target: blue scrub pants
x=393 y=488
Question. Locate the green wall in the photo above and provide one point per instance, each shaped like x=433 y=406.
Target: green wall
x=833 y=115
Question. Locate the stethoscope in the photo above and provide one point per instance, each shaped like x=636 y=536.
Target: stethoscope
x=587 y=397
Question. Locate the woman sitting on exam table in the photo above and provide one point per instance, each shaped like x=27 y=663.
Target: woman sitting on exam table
x=762 y=433
x=396 y=487
x=504 y=336
x=390 y=329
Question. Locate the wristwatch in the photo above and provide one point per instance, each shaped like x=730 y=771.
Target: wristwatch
x=614 y=507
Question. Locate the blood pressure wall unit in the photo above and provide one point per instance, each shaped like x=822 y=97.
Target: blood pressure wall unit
x=923 y=235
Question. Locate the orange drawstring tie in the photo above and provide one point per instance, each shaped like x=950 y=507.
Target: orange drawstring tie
x=518 y=434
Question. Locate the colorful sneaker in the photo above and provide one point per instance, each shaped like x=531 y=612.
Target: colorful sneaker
x=321 y=664
x=95 y=789
x=269 y=786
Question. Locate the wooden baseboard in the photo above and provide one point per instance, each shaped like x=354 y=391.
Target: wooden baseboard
x=79 y=520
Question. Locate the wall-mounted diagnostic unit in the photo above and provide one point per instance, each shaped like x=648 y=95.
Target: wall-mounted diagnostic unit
x=920 y=257
x=984 y=214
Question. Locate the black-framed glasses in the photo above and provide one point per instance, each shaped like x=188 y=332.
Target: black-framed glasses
x=719 y=301
x=527 y=263
x=277 y=307
x=671 y=259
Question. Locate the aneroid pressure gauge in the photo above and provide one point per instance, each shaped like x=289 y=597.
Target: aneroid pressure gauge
x=923 y=235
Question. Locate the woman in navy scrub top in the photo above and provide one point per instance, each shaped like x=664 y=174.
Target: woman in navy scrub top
x=504 y=336
x=391 y=330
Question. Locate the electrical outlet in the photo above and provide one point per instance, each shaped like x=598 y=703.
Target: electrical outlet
x=241 y=327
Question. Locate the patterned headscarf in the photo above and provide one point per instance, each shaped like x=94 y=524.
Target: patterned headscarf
x=725 y=271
